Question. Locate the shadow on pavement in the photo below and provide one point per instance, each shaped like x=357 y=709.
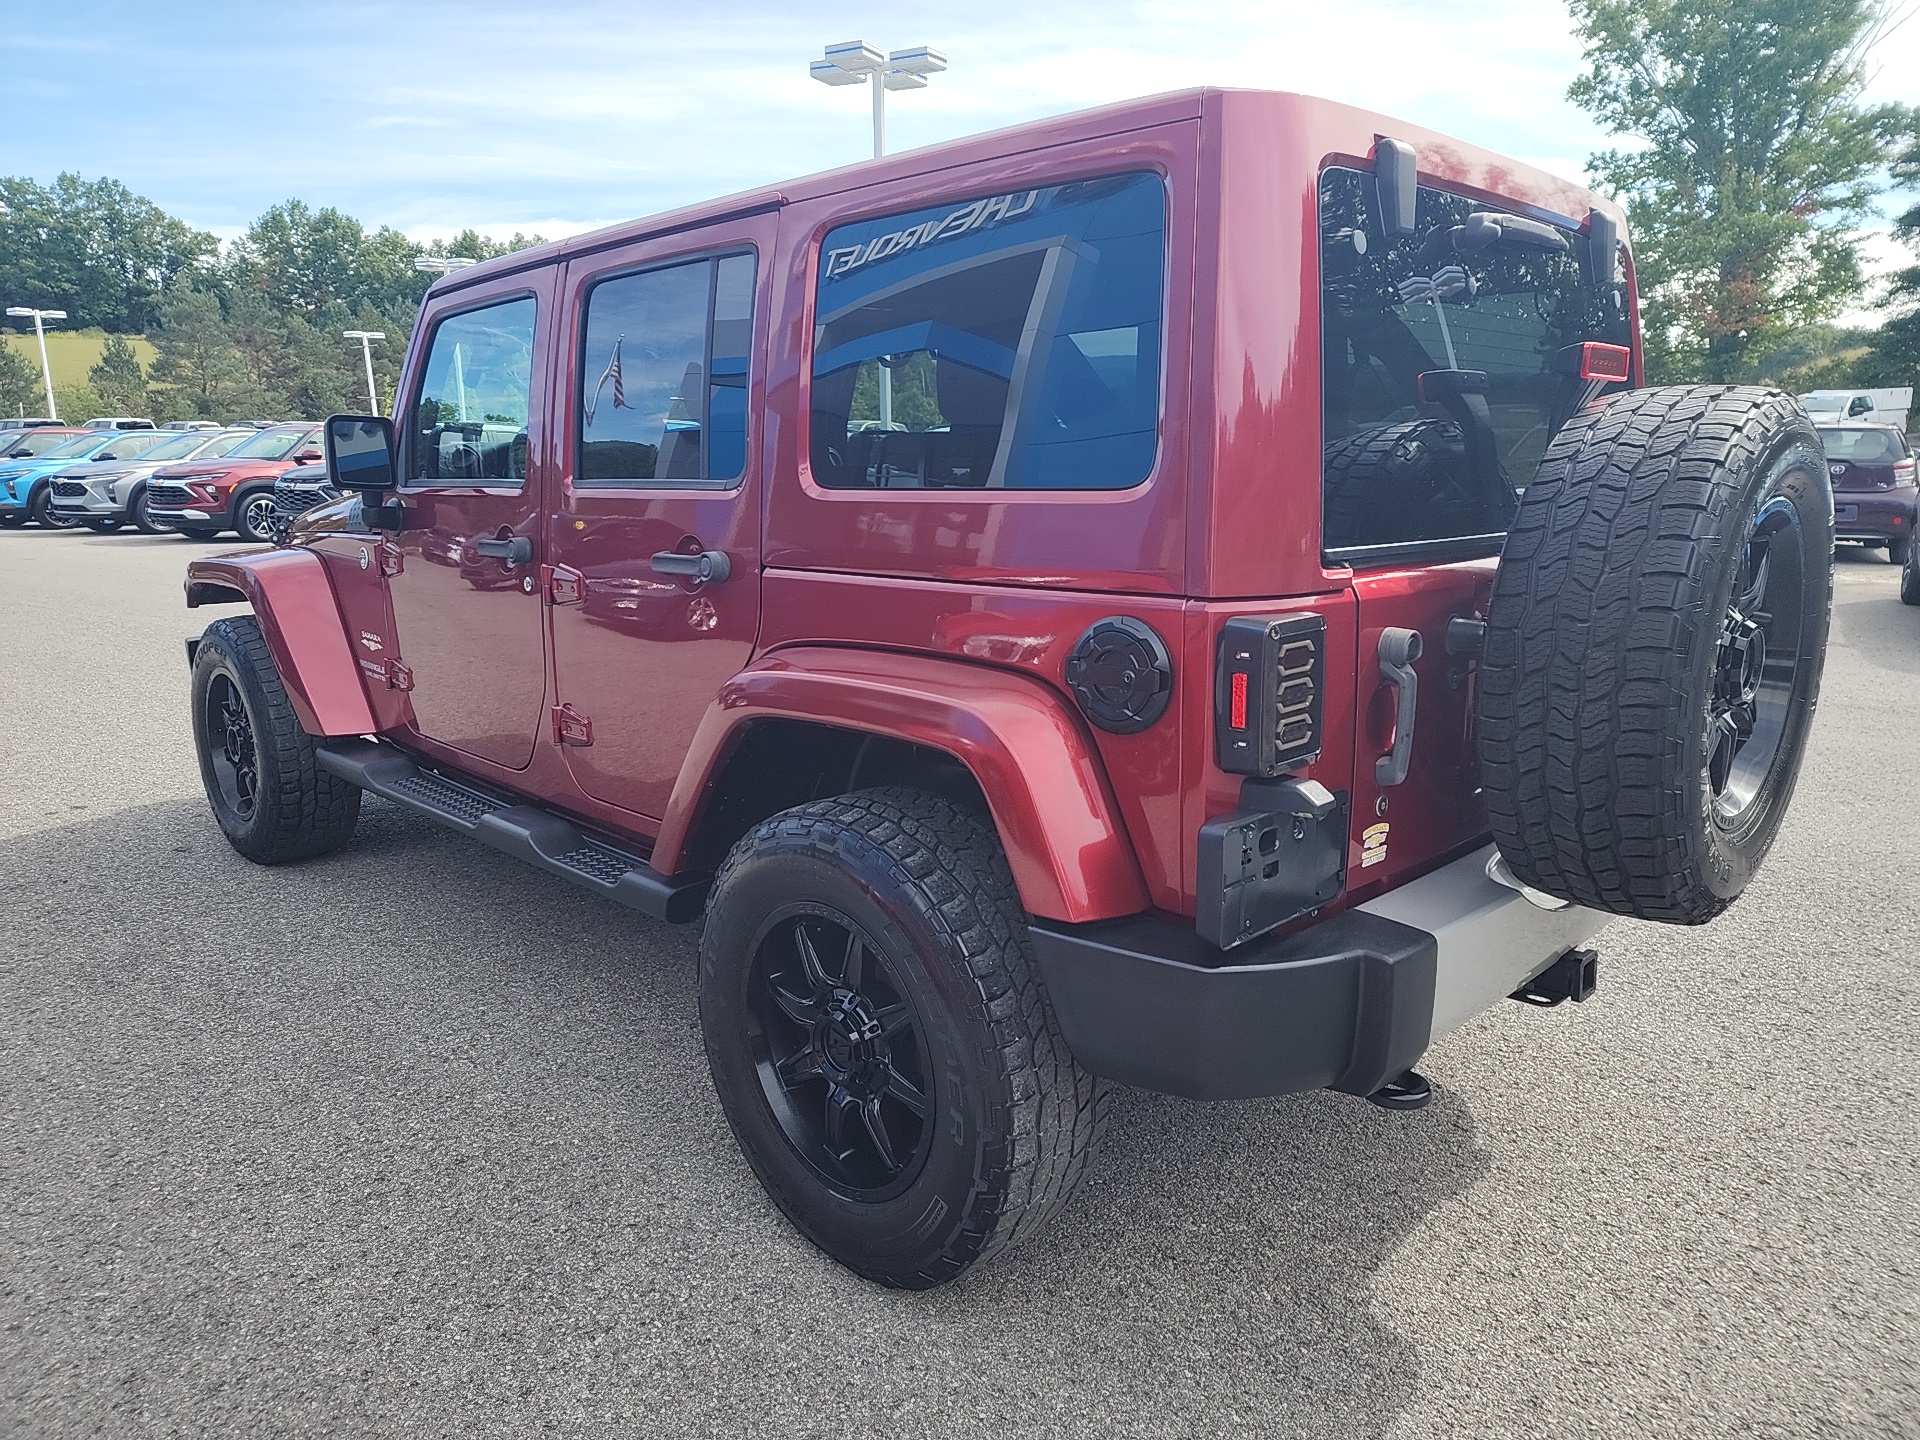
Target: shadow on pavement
x=413 y=1138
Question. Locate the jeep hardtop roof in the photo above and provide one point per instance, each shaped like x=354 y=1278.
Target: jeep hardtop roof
x=1485 y=172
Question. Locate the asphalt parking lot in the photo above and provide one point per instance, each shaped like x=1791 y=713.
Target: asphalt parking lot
x=416 y=1141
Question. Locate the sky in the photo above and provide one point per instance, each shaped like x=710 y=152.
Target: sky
x=564 y=116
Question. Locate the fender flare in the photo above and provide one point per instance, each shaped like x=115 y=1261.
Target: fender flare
x=300 y=620
x=1028 y=750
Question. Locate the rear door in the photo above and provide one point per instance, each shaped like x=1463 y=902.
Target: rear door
x=660 y=475
x=1446 y=370
x=466 y=602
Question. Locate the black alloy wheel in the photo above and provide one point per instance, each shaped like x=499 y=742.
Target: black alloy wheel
x=1758 y=662
x=230 y=748
x=841 y=1059
x=41 y=508
x=142 y=517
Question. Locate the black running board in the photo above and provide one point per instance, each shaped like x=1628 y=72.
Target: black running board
x=525 y=832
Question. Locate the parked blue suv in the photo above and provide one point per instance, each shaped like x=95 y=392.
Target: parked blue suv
x=26 y=486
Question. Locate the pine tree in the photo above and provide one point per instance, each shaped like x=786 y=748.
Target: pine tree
x=118 y=379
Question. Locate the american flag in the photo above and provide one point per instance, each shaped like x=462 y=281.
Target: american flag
x=612 y=372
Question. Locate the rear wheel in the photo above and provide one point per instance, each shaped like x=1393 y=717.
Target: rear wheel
x=1899 y=549
x=1654 y=647
x=272 y=801
x=1910 y=576
x=880 y=1039
x=255 y=516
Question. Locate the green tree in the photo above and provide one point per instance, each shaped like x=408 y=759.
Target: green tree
x=119 y=379
x=93 y=249
x=195 y=359
x=304 y=260
x=470 y=244
x=20 y=392
x=1759 y=162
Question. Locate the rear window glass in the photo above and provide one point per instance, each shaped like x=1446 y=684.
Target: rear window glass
x=1864 y=447
x=1446 y=364
x=1007 y=342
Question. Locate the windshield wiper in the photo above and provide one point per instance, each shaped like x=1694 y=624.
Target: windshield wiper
x=1486 y=228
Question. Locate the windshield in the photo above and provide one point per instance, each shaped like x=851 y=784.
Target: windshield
x=269 y=445
x=78 y=445
x=133 y=446
x=32 y=442
x=178 y=448
x=1864 y=447
x=223 y=444
x=1446 y=361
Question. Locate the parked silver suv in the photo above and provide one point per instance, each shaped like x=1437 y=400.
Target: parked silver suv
x=104 y=495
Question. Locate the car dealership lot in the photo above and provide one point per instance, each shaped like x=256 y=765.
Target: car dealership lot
x=415 y=1139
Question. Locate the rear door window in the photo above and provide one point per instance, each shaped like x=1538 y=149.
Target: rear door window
x=1011 y=341
x=1446 y=366
x=663 y=375
x=476 y=390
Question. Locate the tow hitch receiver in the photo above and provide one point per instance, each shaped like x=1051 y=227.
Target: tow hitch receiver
x=1571 y=977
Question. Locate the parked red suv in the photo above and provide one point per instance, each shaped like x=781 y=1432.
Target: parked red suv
x=234 y=492
x=1184 y=594
x=1874 y=493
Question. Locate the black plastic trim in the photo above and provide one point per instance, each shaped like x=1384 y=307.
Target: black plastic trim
x=527 y=832
x=1345 y=1005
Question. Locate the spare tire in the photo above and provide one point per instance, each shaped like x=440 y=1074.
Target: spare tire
x=1653 y=649
x=1396 y=483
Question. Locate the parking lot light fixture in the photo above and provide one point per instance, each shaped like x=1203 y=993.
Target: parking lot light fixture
x=443 y=264
x=854 y=62
x=40 y=333
x=366 y=339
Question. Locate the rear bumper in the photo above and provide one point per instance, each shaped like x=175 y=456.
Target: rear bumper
x=1873 y=514
x=1348 y=1004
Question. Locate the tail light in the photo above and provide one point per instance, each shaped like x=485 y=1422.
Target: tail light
x=1903 y=472
x=1268 y=693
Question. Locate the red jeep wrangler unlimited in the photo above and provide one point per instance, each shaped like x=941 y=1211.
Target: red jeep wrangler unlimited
x=1183 y=594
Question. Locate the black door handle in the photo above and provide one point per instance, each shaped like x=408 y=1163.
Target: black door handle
x=711 y=566
x=515 y=549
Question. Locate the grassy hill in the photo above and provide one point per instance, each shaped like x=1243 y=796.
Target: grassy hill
x=71 y=353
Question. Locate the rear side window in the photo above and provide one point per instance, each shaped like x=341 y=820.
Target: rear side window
x=1446 y=364
x=663 y=375
x=1008 y=342
x=476 y=389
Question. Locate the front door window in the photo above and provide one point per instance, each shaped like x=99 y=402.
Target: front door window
x=470 y=425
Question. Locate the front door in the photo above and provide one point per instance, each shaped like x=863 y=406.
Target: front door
x=466 y=601
x=655 y=540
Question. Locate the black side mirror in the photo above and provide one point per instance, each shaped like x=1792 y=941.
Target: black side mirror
x=359 y=451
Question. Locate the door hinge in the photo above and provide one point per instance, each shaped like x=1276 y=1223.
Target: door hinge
x=562 y=585
x=570 y=727
x=393 y=559
x=399 y=677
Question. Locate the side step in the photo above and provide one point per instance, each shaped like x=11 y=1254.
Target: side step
x=526 y=832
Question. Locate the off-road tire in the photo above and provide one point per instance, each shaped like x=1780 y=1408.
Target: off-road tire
x=1014 y=1118
x=198 y=532
x=40 y=507
x=1910 y=576
x=298 y=810
x=244 y=505
x=1607 y=642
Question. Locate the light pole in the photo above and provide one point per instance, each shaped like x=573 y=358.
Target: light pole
x=366 y=339
x=39 y=330
x=854 y=62
x=442 y=264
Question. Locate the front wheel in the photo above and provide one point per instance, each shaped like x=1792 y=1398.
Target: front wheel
x=255 y=516
x=40 y=507
x=272 y=801
x=142 y=517
x=880 y=1038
